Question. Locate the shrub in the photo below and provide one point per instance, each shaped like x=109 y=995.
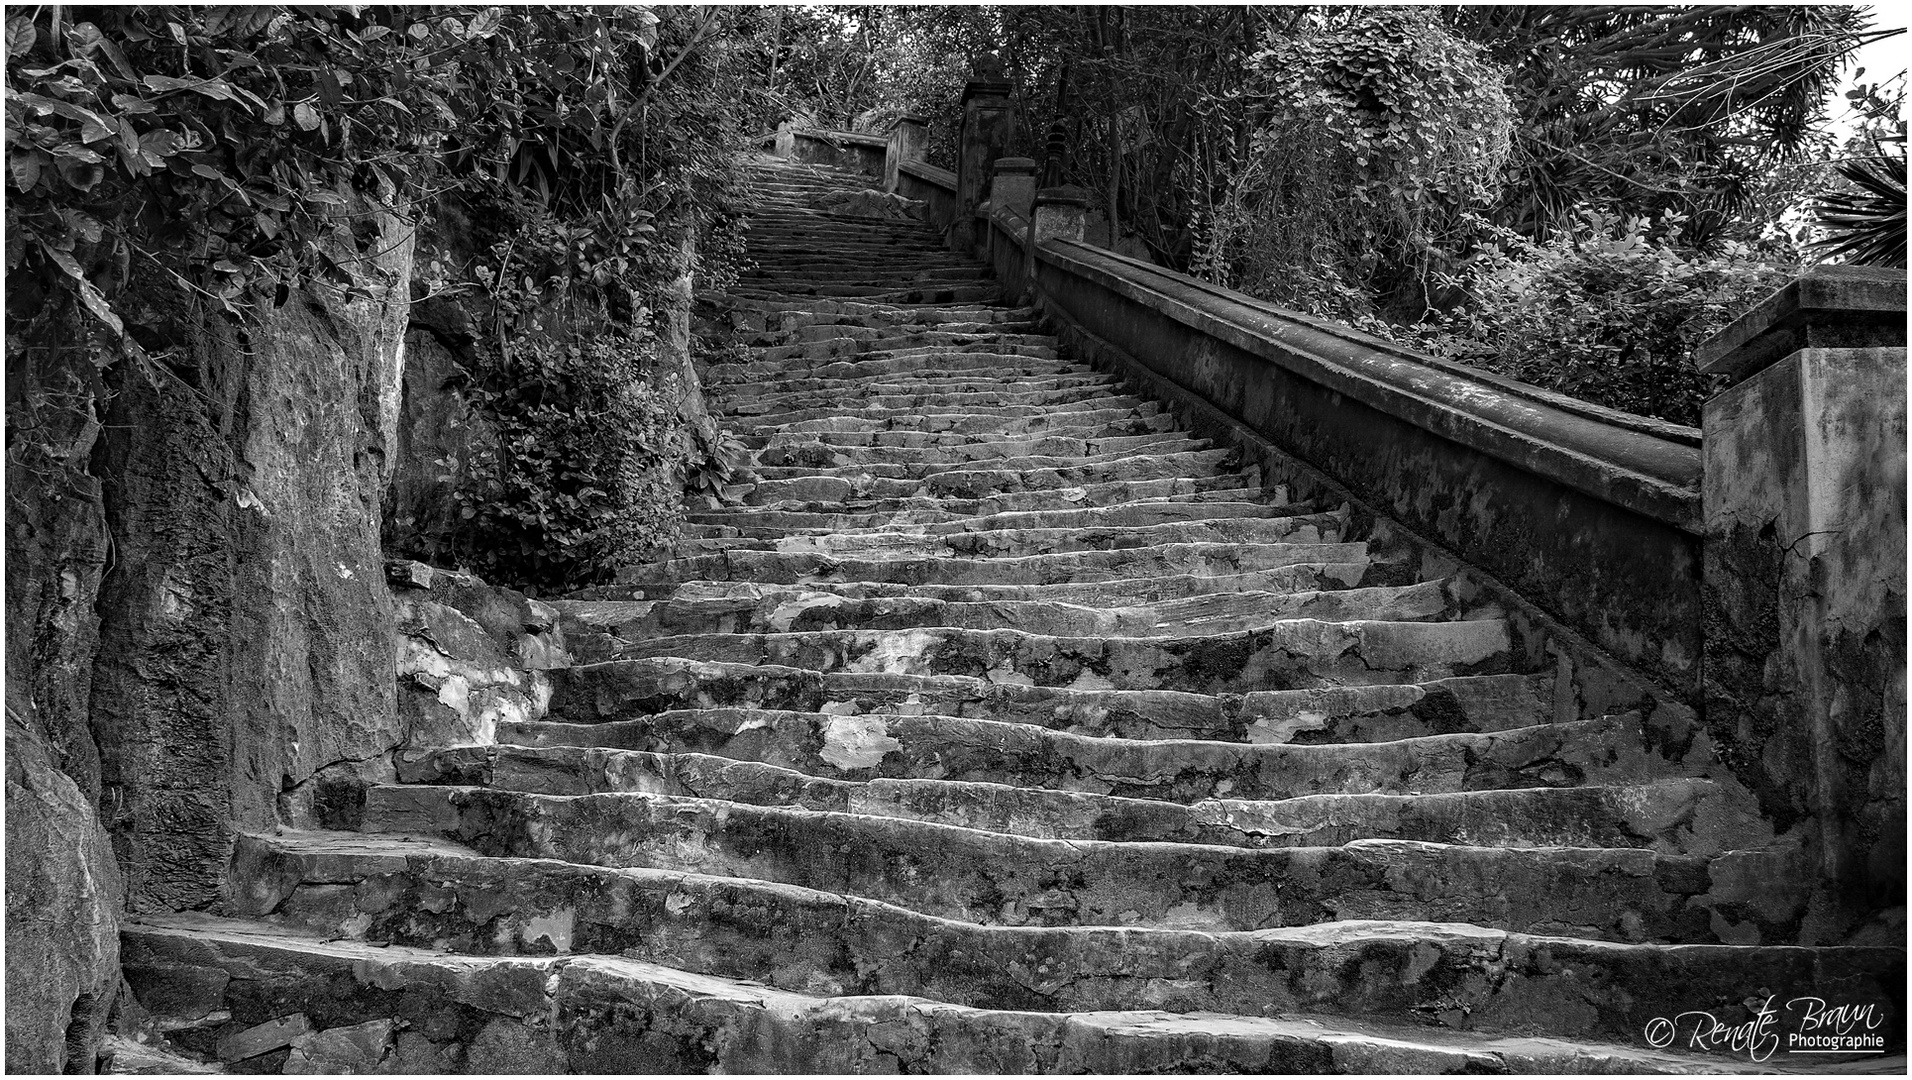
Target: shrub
x=1384 y=134
x=589 y=472
x=1603 y=312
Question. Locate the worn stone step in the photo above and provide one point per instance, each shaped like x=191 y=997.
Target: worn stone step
x=413 y=893
x=1150 y=463
x=890 y=385
x=1510 y=797
x=624 y=689
x=1090 y=422
x=855 y=746
x=972 y=402
x=750 y=521
x=805 y=449
x=1318 y=566
x=981 y=480
x=797 y=607
x=1285 y=655
x=1299 y=529
x=925 y=294
x=561 y=1014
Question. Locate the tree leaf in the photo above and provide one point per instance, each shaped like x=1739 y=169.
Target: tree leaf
x=304 y=115
x=21 y=36
x=24 y=164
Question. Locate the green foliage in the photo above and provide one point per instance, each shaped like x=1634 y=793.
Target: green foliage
x=1603 y=312
x=171 y=163
x=1864 y=217
x=588 y=475
x=216 y=149
x=1635 y=111
x=1384 y=133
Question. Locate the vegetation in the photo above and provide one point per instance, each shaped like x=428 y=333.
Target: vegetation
x=1400 y=168
x=171 y=164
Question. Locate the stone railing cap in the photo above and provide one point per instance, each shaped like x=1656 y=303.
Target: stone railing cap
x=912 y=118
x=987 y=88
x=1066 y=195
x=1016 y=165
x=1847 y=306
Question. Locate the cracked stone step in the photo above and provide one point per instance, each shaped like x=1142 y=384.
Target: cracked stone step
x=1069 y=469
x=968 y=402
x=624 y=689
x=1005 y=542
x=806 y=449
x=1270 y=502
x=1615 y=750
x=1290 y=654
x=436 y=894
x=988 y=427
x=998 y=879
x=1490 y=808
x=557 y=1014
x=1314 y=566
x=890 y=385
x=797 y=607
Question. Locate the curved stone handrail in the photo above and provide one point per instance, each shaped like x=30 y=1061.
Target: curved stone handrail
x=1593 y=514
x=1656 y=474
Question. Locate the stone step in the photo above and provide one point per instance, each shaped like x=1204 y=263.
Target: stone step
x=799 y=607
x=1299 y=529
x=938 y=749
x=996 y=878
x=1286 y=655
x=408 y=1009
x=1313 y=566
x=1090 y=423
x=751 y=521
x=1513 y=796
x=625 y=689
x=756 y=411
x=925 y=294
x=888 y=384
x=802 y=449
x=981 y=480
x=917 y=353
x=1114 y=493
x=413 y=893
x=864 y=746
x=1166 y=461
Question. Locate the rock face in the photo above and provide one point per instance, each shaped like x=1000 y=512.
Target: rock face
x=63 y=909
x=246 y=625
x=1000 y=726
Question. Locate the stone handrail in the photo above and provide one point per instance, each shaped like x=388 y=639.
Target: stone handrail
x=1591 y=514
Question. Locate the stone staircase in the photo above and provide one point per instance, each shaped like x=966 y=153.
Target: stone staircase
x=1000 y=726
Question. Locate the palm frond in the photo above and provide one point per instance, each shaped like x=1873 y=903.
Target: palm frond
x=1866 y=225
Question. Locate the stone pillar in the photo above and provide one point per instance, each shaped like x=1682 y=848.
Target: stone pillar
x=786 y=145
x=1014 y=185
x=1803 y=661
x=1061 y=214
x=908 y=142
x=989 y=126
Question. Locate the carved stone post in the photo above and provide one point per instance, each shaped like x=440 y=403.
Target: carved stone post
x=989 y=126
x=1014 y=185
x=1061 y=214
x=908 y=142
x=1803 y=661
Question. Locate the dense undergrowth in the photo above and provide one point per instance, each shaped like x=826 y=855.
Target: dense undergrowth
x=172 y=165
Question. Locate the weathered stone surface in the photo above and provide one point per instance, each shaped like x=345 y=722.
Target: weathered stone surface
x=471 y=656
x=64 y=895
x=1805 y=599
x=245 y=638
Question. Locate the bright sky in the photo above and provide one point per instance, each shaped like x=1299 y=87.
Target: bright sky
x=1880 y=59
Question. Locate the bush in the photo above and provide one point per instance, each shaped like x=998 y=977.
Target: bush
x=589 y=475
x=1602 y=312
